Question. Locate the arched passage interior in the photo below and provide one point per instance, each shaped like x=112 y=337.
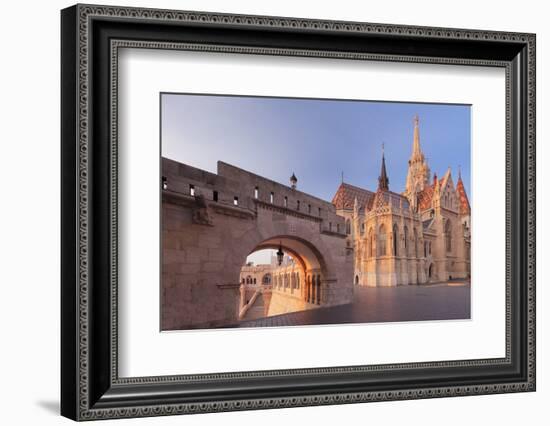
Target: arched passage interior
x=299 y=276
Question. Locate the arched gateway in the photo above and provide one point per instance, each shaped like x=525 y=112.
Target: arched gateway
x=212 y=222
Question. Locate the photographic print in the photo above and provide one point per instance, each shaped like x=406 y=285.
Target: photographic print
x=302 y=212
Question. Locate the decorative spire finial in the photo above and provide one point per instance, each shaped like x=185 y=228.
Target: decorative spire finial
x=383 y=181
x=417 y=152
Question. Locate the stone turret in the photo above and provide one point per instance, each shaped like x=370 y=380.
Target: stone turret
x=418 y=174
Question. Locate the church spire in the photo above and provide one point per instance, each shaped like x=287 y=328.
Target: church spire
x=417 y=152
x=383 y=181
x=418 y=174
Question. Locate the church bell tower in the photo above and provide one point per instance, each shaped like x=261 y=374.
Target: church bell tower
x=418 y=175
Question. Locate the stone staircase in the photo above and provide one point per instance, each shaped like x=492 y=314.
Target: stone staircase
x=257 y=310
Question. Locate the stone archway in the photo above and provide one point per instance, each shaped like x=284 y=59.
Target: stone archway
x=298 y=286
x=202 y=288
x=323 y=282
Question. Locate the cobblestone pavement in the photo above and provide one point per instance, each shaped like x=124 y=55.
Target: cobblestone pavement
x=383 y=304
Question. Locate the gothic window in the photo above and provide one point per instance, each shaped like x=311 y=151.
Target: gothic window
x=309 y=208
x=362 y=228
x=192 y=190
x=256 y=192
x=298 y=205
x=382 y=240
x=371 y=243
x=348 y=227
x=235 y=201
x=415 y=243
x=254 y=280
x=271 y=197
x=395 y=242
x=285 y=202
x=448 y=237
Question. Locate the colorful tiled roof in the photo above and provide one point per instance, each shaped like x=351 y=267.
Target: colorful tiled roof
x=464 y=207
x=425 y=198
x=426 y=195
x=346 y=194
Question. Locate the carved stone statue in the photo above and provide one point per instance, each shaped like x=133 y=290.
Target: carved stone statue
x=201 y=216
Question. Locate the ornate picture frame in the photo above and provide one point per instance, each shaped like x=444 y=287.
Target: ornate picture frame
x=91 y=37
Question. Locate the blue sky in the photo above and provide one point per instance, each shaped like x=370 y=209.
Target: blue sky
x=314 y=138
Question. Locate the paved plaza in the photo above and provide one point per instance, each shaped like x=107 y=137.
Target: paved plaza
x=443 y=301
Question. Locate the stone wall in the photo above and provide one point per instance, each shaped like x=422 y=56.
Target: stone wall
x=212 y=222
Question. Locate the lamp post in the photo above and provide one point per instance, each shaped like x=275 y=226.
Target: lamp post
x=280 y=255
x=293 y=181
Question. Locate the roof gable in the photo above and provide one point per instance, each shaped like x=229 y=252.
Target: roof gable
x=464 y=203
x=346 y=194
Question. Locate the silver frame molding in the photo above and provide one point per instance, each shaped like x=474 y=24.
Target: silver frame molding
x=91 y=39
